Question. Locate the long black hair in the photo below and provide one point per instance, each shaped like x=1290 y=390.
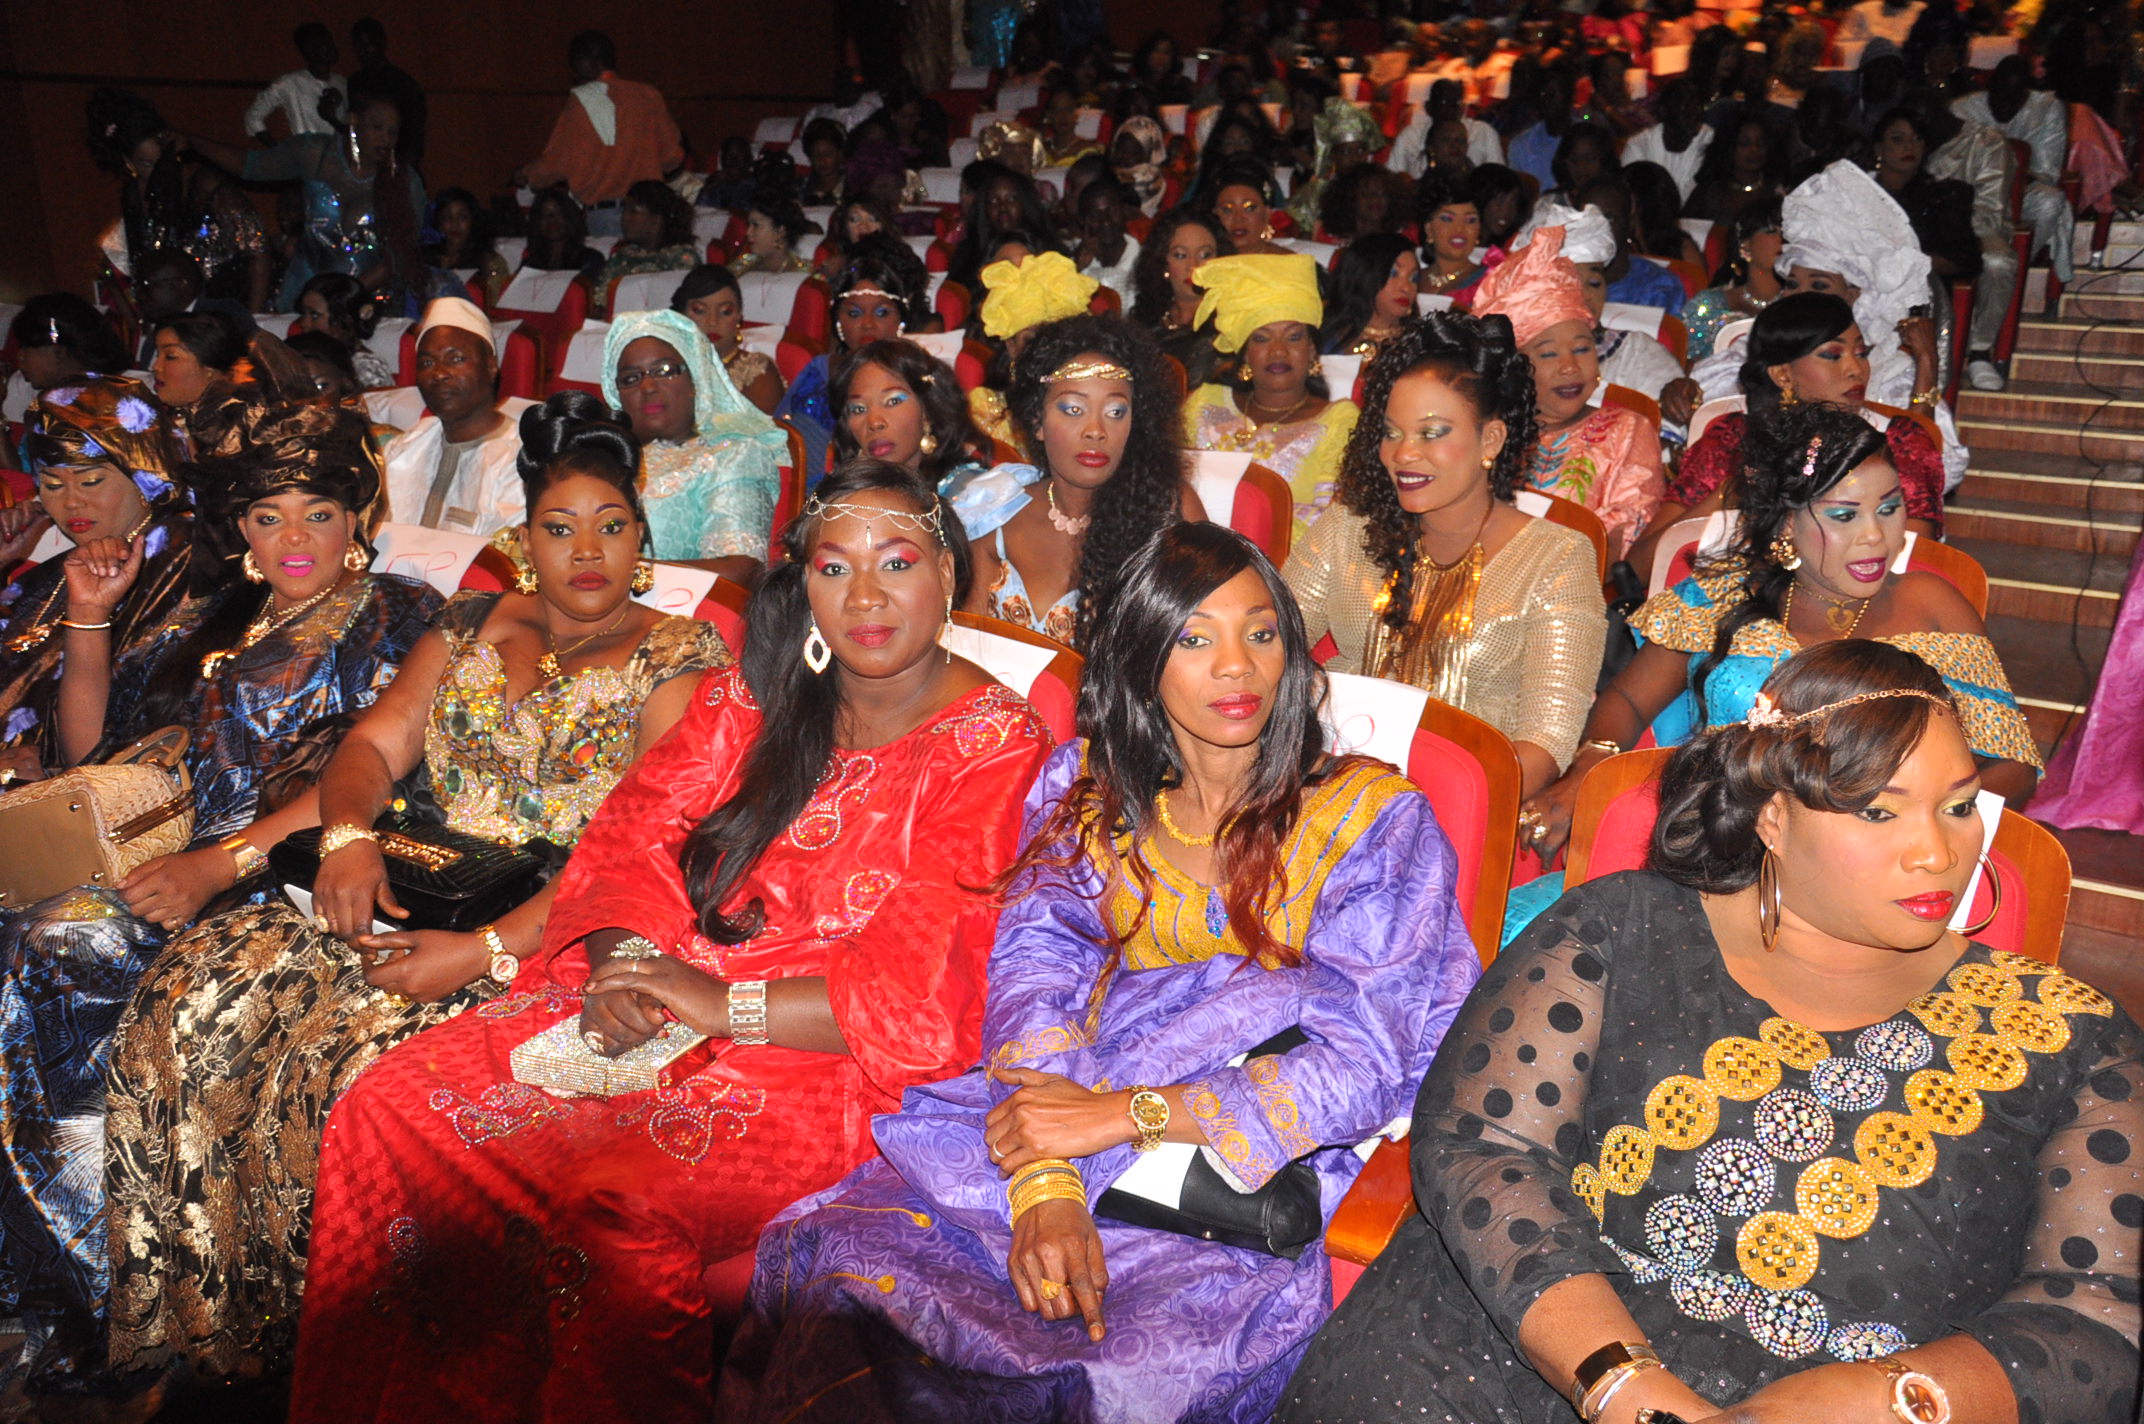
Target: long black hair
x=1132 y=754
x=1477 y=357
x=1791 y=455
x=1787 y=330
x=1144 y=493
x=1365 y=265
x=1152 y=298
x=1718 y=782
x=798 y=710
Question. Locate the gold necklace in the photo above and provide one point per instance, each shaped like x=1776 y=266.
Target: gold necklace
x=1835 y=614
x=265 y=622
x=549 y=664
x=1251 y=405
x=1168 y=823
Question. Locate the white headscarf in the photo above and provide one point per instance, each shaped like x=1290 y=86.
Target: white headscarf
x=1842 y=221
x=1587 y=235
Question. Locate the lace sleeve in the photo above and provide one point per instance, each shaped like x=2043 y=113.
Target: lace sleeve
x=1708 y=464
x=1500 y=1121
x=2066 y=1333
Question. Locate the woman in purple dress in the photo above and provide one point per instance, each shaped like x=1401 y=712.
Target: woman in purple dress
x=1200 y=881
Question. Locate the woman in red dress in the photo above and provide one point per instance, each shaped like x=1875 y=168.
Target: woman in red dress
x=797 y=871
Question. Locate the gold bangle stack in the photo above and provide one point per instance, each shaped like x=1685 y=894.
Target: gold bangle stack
x=1047 y=1179
x=250 y=857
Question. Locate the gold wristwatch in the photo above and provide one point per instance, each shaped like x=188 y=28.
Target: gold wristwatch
x=334 y=838
x=1915 y=1398
x=1150 y=1118
x=503 y=965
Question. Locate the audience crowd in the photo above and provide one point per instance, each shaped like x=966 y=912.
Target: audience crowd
x=678 y=888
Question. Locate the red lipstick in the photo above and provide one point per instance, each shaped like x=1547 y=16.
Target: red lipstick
x=1934 y=907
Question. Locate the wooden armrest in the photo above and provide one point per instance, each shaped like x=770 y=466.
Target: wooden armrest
x=1374 y=1208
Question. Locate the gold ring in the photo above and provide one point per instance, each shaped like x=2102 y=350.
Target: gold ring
x=1049 y=1288
x=400 y=1001
x=7 y=776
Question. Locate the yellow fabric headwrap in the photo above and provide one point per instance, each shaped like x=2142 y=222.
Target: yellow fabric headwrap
x=1245 y=293
x=1043 y=287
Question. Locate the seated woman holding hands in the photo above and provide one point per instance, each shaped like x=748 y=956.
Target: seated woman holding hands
x=1604 y=457
x=710 y=459
x=1804 y=347
x=241 y=1037
x=1273 y=402
x=1092 y=406
x=1148 y=940
x=797 y=872
x=1823 y=519
x=1423 y=572
x=1753 y=1135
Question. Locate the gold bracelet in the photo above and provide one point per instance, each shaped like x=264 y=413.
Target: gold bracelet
x=1053 y=1189
x=334 y=838
x=1602 y=744
x=1039 y=1166
x=250 y=857
x=85 y=627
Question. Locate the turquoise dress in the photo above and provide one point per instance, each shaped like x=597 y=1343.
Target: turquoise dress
x=1686 y=618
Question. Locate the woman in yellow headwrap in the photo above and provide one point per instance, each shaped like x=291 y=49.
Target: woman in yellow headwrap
x=1272 y=402
x=1021 y=292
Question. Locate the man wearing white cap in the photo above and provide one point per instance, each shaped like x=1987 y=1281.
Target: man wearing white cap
x=456 y=468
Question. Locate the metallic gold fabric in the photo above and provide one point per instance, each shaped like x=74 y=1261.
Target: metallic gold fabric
x=1528 y=665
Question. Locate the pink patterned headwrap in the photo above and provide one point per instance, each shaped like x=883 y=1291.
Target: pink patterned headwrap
x=1535 y=288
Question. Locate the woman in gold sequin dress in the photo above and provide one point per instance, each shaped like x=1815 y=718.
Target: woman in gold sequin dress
x=1423 y=571
x=525 y=708
x=1760 y=1115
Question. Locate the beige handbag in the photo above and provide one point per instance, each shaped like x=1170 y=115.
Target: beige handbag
x=93 y=825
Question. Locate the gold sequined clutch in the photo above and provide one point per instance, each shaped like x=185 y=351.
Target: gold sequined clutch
x=560 y=1062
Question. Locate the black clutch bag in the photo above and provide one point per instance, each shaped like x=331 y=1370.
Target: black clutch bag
x=446 y=879
x=1281 y=1218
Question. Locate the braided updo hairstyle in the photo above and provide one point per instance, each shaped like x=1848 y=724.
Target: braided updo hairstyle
x=574 y=433
x=1476 y=357
x=1717 y=782
x=1779 y=478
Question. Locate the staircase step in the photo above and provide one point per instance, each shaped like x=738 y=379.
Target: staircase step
x=2052 y=668
x=2125 y=240
x=2011 y=522
x=2050 y=483
x=2050 y=585
x=2088 y=444
x=2063 y=404
x=2109 y=374
x=2049 y=333
x=2106 y=881
x=2113 y=277
x=2049 y=721
x=2106 y=306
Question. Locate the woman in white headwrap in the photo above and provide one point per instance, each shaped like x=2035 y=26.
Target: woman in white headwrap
x=1845 y=235
x=710 y=460
x=1630 y=359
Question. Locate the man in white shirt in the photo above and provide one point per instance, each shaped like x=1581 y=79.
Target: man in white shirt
x=1447 y=100
x=2013 y=108
x=457 y=467
x=1107 y=251
x=1679 y=141
x=297 y=95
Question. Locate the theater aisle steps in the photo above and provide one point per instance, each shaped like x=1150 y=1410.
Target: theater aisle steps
x=2053 y=508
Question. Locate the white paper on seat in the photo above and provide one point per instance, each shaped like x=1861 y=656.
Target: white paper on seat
x=1214 y=474
x=1987 y=51
x=941 y=185
x=920 y=243
x=438 y=556
x=1630 y=316
x=960 y=152
x=1052 y=179
x=1427 y=302
x=1990 y=804
x=1174 y=117
x=533 y=291
x=511 y=250
x=1087 y=123
x=945 y=345
x=386 y=340
x=584 y=354
x=986 y=117
x=970 y=76
x=766 y=340
x=1417 y=91
x=677 y=589
x=1905 y=553
x=646 y=291
x=1374 y=716
x=276 y=324
x=1014 y=97
x=51 y=545
x=1712 y=410
x=8 y=312
x=1698 y=228
x=1532 y=502
x=15 y=404
x=466 y=275
x=1635 y=81
x=709 y=224
x=770 y=296
x=780 y=132
x=1720 y=528
x=1322 y=252
x=1341 y=373
x=1010 y=661
x=401 y=406
x=937 y=285
x=500 y=331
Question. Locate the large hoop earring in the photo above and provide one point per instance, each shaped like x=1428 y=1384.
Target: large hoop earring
x=353 y=558
x=817 y=652
x=1768 y=901
x=1784 y=553
x=1995 y=888
x=525 y=580
x=250 y=569
x=643 y=576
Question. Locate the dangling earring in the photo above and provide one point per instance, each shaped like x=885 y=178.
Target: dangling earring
x=1317 y=365
x=250 y=569
x=1267 y=234
x=1244 y=372
x=354 y=559
x=928 y=444
x=1768 y=902
x=1995 y=887
x=1787 y=396
x=1784 y=553
x=525 y=580
x=643 y=576
x=817 y=654
x=948 y=623
x=351 y=136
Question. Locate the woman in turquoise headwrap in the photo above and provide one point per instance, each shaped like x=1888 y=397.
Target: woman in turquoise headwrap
x=710 y=460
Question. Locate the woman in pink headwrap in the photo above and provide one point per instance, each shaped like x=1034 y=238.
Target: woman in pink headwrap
x=1604 y=457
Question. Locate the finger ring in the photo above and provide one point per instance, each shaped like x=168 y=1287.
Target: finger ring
x=995 y=1155
x=320 y=922
x=594 y=1041
x=1540 y=831
x=1050 y=1289
x=400 y=1001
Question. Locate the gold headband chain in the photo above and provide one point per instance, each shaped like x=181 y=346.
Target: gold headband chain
x=816 y=508
x=1764 y=713
x=1087 y=371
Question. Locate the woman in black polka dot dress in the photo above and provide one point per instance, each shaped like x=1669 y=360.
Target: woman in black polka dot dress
x=1760 y=1109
